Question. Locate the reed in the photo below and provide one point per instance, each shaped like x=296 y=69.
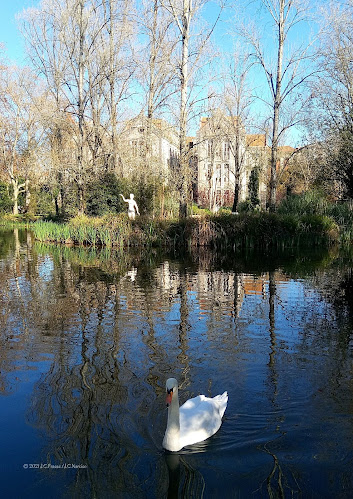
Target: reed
x=223 y=231
x=313 y=203
x=258 y=230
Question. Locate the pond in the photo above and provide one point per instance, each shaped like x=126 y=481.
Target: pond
x=89 y=338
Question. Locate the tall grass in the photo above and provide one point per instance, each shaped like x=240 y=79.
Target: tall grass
x=260 y=230
x=307 y=220
x=316 y=204
x=52 y=232
x=85 y=231
x=308 y=203
x=265 y=231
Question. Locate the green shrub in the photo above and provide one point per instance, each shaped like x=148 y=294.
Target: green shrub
x=196 y=210
x=102 y=196
x=42 y=202
x=5 y=199
x=245 y=206
x=254 y=187
x=310 y=202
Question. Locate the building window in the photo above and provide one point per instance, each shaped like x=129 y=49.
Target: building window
x=137 y=147
x=226 y=173
x=209 y=148
x=226 y=149
x=134 y=146
x=218 y=173
x=209 y=171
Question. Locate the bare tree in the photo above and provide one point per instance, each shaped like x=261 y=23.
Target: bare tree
x=80 y=47
x=57 y=34
x=238 y=98
x=40 y=28
x=20 y=133
x=158 y=73
x=210 y=140
x=185 y=14
x=330 y=116
x=334 y=88
x=285 y=78
x=117 y=68
x=157 y=78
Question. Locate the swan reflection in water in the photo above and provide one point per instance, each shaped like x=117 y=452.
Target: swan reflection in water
x=184 y=481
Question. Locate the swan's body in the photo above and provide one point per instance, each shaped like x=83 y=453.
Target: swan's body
x=194 y=421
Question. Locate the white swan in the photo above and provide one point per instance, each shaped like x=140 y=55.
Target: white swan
x=194 y=421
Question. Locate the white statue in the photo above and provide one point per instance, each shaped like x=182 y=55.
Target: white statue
x=133 y=208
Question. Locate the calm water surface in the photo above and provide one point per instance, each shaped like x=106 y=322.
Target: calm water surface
x=88 y=340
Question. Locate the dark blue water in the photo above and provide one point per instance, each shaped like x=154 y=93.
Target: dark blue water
x=88 y=340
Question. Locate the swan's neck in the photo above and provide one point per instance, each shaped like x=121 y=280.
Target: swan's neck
x=172 y=434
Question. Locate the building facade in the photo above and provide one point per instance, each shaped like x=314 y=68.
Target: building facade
x=226 y=156
x=222 y=158
x=149 y=148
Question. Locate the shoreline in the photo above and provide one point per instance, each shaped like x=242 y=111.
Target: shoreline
x=221 y=232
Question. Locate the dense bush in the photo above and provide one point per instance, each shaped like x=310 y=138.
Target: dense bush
x=314 y=203
x=310 y=202
x=272 y=230
x=247 y=206
x=221 y=232
x=301 y=220
x=342 y=159
x=102 y=196
x=5 y=199
x=42 y=202
x=254 y=187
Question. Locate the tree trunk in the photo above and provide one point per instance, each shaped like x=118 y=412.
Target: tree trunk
x=236 y=196
x=151 y=87
x=183 y=160
x=56 y=201
x=28 y=196
x=276 y=109
x=237 y=167
x=113 y=119
x=81 y=69
x=16 y=192
x=15 y=197
x=81 y=199
x=162 y=202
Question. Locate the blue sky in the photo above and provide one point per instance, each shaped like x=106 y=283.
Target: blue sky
x=9 y=34
x=14 y=44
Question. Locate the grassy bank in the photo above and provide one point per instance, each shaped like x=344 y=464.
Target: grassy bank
x=260 y=230
x=307 y=220
x=109 y=231
x=8 y=221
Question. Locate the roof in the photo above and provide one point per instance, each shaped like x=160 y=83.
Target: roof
x=285 y=150
x=256 y=140
x=205 y=119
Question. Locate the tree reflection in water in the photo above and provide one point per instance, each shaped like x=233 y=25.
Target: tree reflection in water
x=91 y=404
x=105 y=330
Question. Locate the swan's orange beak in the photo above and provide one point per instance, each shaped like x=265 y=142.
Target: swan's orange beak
x=168 y=399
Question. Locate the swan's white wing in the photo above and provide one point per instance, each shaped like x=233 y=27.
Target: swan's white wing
x=201 y=417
